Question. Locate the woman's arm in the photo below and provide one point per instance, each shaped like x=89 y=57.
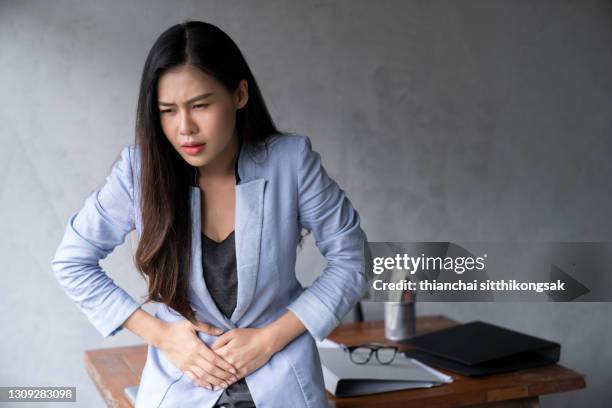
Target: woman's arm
x=91 y=234
x=325 y=210
x=283 y=330
x=147 y=327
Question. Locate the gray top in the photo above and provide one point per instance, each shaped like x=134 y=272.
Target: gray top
x=219 y=265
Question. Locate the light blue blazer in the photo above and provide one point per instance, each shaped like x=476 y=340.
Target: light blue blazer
x=279 y=192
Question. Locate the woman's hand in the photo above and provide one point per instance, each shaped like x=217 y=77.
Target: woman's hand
x=247 y=349
x=183 y=348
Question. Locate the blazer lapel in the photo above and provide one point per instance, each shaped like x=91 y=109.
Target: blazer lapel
x=248 y=226
x=197 y=285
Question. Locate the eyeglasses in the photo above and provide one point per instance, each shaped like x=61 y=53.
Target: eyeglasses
x=362 y=353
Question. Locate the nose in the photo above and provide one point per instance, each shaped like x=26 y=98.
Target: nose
x=187 y=126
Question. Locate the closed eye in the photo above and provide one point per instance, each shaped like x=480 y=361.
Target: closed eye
x=197 y=106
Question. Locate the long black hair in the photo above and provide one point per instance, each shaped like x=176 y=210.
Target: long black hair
x=163 y=255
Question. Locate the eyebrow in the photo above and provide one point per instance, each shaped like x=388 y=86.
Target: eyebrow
x=196 y=98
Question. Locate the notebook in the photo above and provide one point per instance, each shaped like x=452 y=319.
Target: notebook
x=479 y=348
x=343 y=378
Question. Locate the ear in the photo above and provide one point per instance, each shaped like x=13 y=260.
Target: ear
x=241 y=95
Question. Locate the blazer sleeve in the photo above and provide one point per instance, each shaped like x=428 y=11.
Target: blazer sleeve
x=91 y=234
x=325 y=210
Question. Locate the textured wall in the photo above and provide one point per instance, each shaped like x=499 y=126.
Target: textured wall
x=443 y=120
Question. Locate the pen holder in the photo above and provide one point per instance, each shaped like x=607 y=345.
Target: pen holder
x=400 y=320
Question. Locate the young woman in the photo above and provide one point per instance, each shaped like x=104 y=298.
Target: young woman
x=218 y=198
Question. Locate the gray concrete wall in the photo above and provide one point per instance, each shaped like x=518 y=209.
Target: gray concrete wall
x=443 y=120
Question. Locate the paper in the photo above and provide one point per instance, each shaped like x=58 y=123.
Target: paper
x=326 y=343
x=342 y=377
x=443 y=377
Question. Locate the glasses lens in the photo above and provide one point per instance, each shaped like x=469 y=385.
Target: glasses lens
x=385 y=354
x=360 y=355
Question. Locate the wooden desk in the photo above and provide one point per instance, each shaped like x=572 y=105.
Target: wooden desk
x=114 y=369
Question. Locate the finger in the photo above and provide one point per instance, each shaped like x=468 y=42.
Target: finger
x=222 y=340
x=204 y=370
x=207 y=328
x=207 y=377
x=206 y=366
x=224 y=352
x=227 y=354
x=198 y=371
x=194 y=379
x=217 y=360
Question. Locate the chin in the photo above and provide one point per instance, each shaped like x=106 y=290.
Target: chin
x=195 y=161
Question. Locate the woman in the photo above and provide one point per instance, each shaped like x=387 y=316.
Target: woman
x=218 y=198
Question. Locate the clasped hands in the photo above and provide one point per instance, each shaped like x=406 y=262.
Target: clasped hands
x=234 y=354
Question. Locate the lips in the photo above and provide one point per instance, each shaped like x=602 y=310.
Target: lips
x=193 y=148
x=192 y=144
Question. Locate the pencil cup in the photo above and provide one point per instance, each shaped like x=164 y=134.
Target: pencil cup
x=400 y=320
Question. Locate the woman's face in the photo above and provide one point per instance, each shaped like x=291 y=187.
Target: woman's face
x=197 y=111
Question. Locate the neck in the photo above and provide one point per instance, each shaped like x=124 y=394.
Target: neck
x=223 y=165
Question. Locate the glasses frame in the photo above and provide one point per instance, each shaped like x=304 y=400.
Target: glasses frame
x=374 y=347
